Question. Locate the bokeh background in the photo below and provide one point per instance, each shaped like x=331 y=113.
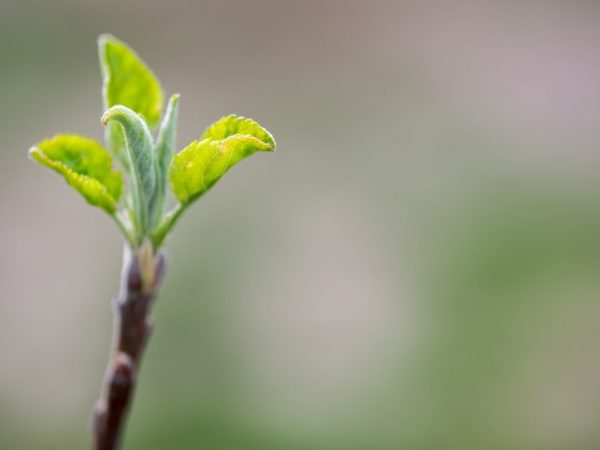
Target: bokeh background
x=415 y=267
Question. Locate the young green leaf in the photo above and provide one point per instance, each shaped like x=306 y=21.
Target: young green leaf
x=232 y=124
x=165 y=146
x=85 y=165
x=142 y=164
x=202 y=163
x=129 y=82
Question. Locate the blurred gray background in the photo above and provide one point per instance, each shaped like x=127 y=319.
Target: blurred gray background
x=415 y=267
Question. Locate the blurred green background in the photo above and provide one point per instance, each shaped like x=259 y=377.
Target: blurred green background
x=415 y=267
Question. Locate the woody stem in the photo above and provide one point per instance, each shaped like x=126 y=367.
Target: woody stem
x=140 y=279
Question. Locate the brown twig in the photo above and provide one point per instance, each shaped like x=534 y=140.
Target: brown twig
x=140 y=277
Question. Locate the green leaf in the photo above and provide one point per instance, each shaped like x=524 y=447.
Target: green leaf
x=85 y=165
x=232 y=124
x=129 y=82
x=196 y=168
x=165 y=147
x=142 y=164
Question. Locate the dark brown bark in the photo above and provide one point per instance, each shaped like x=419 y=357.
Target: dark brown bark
x=141 y=275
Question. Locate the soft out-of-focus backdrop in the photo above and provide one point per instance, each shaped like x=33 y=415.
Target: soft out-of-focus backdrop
x=416 y=267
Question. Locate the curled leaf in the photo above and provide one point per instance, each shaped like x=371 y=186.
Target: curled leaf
x=85 y=165
x=196 y=168
x=232 y=124
x=141 y=162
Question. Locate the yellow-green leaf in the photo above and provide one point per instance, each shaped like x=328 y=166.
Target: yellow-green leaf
x=232 y=124
x=128 y=81
x=85 y=165
x=196 y=168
